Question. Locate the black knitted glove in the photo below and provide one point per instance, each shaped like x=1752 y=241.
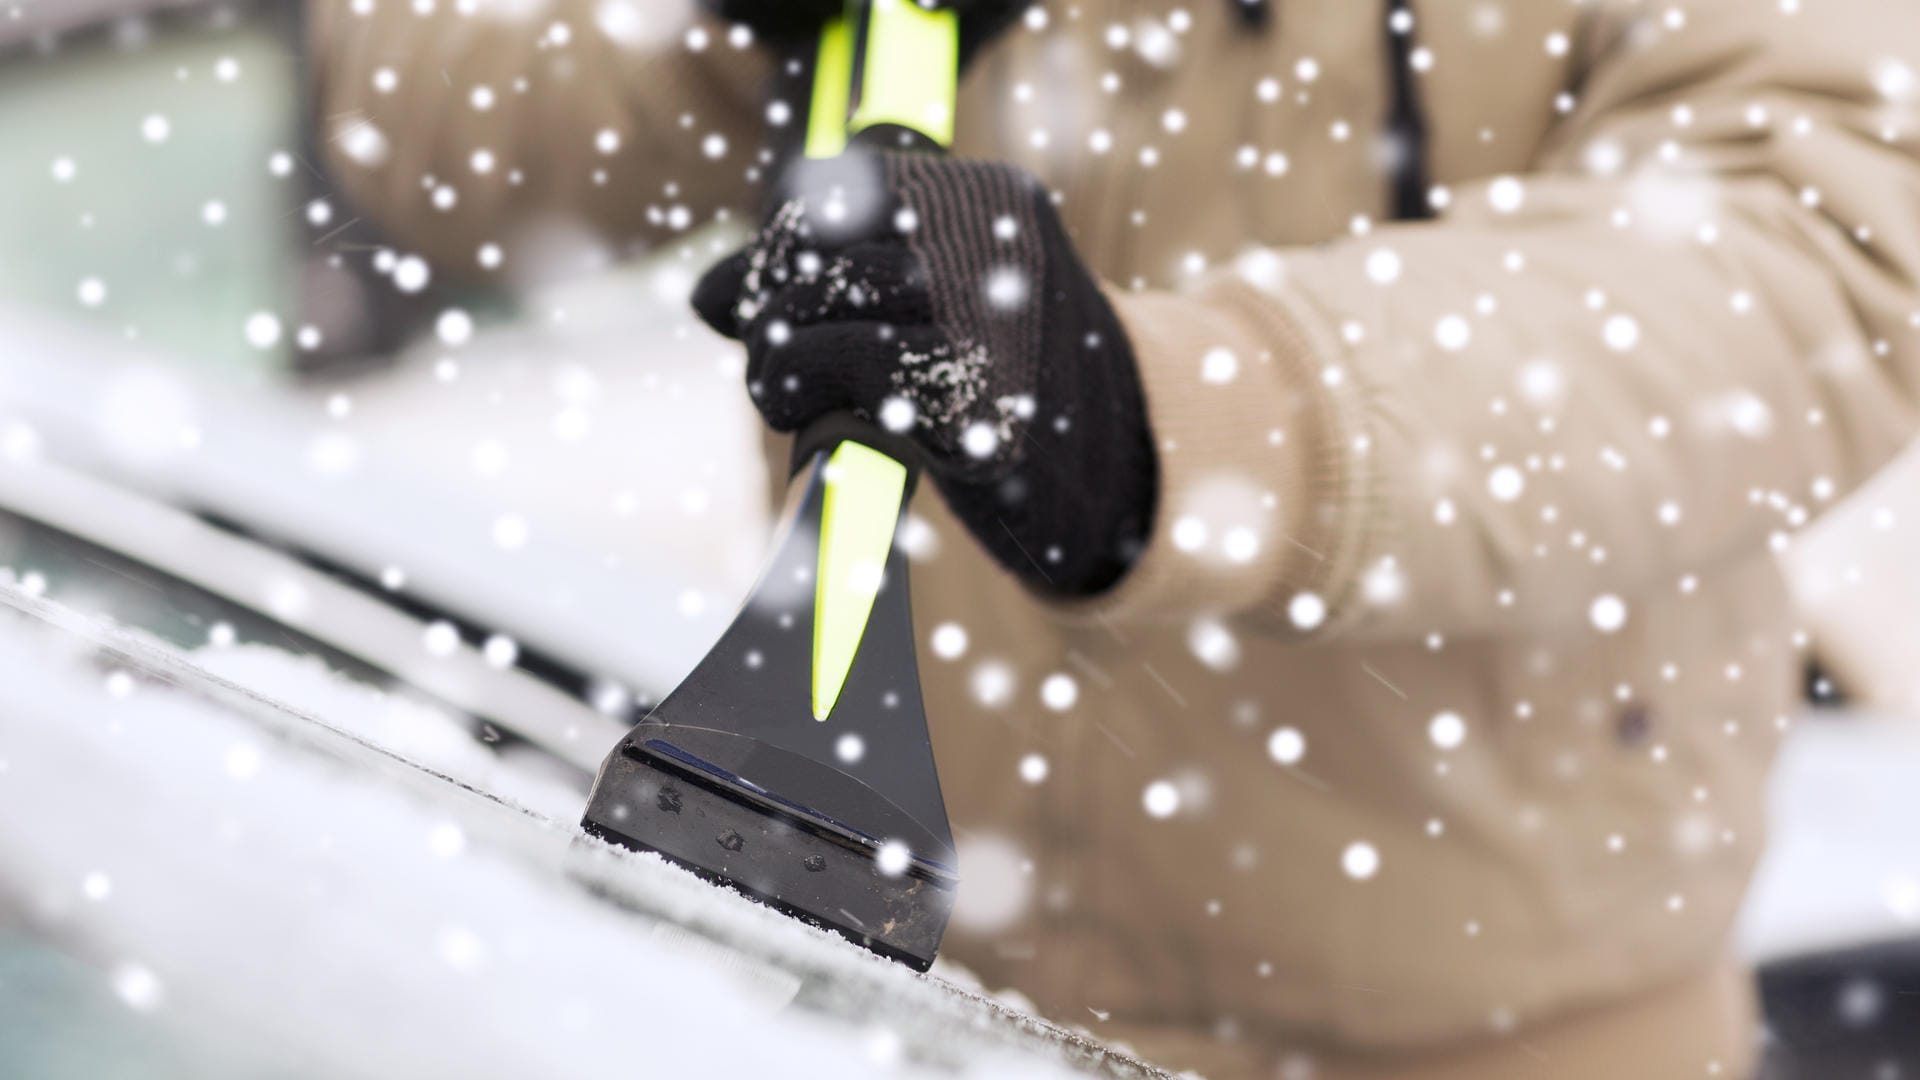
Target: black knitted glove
x=785 y=21
x=942 y=300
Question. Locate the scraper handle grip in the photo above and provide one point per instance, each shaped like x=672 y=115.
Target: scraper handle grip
x=886 y=72
x=886 y=76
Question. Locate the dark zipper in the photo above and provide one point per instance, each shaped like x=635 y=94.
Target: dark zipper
x=1254 y=13
x=1406 y=120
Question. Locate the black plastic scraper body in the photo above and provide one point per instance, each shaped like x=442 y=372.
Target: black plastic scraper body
x=646 y=798
x=732 y=777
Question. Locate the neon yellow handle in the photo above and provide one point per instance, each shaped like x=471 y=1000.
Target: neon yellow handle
x=864 y=489
x=912 y=69
x=909 y=67
x=908 y=62
x=832 y=89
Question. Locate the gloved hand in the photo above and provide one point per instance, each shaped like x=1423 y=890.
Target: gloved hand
x=782 y=21
x=942 y=299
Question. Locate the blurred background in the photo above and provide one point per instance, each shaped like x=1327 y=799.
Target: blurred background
x=341 y=472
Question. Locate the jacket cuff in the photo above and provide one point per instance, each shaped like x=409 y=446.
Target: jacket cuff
x=1257 y=434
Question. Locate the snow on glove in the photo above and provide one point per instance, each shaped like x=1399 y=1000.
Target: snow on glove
x=785 y=21
x=942 y=299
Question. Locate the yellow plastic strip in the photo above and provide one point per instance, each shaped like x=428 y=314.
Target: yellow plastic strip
x=832 y=85
x=860 y=511
x=912 y=66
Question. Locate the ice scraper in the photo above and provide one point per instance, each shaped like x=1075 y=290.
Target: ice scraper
x=794 y=762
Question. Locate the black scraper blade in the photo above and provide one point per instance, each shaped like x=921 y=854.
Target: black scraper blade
x=839 y=821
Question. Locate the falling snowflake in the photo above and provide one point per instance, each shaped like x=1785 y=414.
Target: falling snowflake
x=138 y=986
x=1161 y=799
x=1452 y=333
x=510 y=532
x=1505 y=483
x=949 y=641
x=897 y=414
x=441 y=638
x=980 y=440
x=1219 y=366
x=460 y=948
x=96 y=886
x=1621 y=332
x=992 y=683
x=1286 y=746
x=893 y=858
x=850 y=748
x=1006 y=288
x=454 y=327
x=242 y=761
x=1360 y=860
x=1383 y=266
x=1306 y=610
x=1213 y=644
x=1059 y=691
x=410 y=274
x=1189 y=533
x=1608 y=613
x=446 y=840
x=1506 y=194
x=263 y=330
x=500 y=651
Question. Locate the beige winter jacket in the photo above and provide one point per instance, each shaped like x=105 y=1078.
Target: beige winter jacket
x=1430 y=735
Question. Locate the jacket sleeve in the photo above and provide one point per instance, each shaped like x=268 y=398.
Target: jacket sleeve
x=1693 y=322
x=457 y=124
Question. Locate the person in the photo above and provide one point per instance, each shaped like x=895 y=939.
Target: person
x=1361 y=432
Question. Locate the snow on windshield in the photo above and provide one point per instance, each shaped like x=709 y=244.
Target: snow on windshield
x=253 y=904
